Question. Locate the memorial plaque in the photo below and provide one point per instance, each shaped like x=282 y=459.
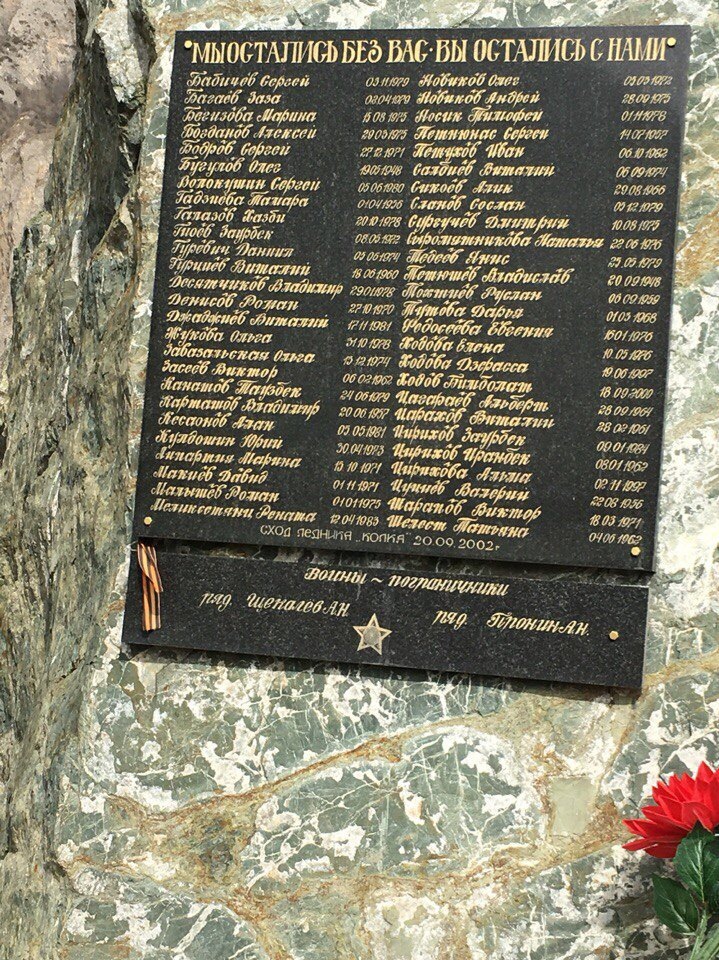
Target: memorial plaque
x=587 y=632
x=412 y=297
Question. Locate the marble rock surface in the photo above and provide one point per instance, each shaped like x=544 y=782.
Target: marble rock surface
x=161 y=805
x=37 y=45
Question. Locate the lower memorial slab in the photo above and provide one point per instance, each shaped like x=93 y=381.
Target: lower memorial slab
x=569 y=629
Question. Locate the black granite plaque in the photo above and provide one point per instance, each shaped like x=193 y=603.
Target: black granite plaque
x=413 y=292
x=412 y=297
x=563 y=629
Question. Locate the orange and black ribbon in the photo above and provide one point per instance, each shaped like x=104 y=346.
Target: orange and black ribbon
x=151 y=586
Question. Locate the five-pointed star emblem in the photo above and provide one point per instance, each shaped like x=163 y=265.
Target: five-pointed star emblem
x=371 y=635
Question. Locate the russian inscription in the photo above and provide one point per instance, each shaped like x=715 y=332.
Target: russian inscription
x=413 y=293
x=572 y=630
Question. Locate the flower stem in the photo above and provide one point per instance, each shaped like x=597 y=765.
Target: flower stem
x=700 y=942
x=709 y=949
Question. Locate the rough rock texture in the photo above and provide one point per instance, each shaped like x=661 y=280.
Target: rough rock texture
x=191 y=807
x=37 y=44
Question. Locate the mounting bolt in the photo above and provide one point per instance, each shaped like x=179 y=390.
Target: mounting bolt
x=635 y=551
x=671 y=41
x=613 y=634
x=147 y=521
x=188 y=44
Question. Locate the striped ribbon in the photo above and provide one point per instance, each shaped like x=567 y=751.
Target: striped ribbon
x=151 y=586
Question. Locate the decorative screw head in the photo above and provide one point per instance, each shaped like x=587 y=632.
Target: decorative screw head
x=671 y=41
x=613 y=634
x=188 y=44
x=147 y=521
x=635 y=551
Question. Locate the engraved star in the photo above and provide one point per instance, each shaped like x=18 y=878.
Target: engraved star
x=371 y=635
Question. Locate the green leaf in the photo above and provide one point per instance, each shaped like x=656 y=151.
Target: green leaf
x=697 y=864
x=675 y=906
x=712 y=884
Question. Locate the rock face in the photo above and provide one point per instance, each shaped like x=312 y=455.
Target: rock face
x=160 y=805
x=37 y=40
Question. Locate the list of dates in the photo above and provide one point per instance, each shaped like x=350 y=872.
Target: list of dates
x=413 y=292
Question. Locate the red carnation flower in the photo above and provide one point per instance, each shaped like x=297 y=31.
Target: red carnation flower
x=680 y=804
